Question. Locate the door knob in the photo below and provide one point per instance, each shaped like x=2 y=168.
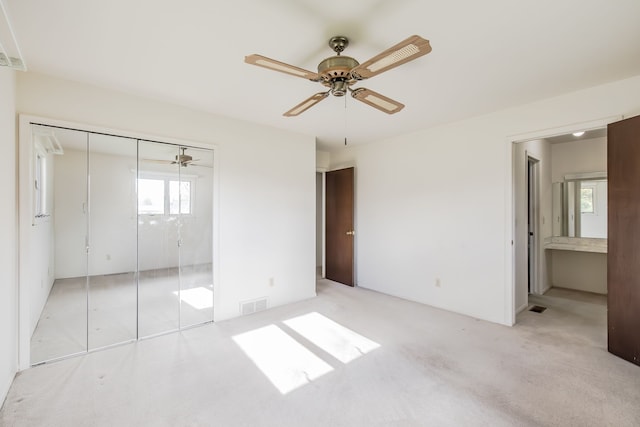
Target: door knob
x=351 y=233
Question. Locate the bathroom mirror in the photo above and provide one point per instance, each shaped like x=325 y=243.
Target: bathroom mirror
x=580 y=206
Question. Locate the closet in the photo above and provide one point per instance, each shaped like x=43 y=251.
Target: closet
x=123 y=231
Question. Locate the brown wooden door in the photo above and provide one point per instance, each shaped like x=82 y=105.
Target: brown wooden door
x=623 y=259
x=339 y=226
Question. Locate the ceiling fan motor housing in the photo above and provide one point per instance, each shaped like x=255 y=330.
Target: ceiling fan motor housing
x=335 y=72
x=184 y=158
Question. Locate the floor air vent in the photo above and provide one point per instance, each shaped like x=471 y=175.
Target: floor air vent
x=249 y=307
x=537 y=309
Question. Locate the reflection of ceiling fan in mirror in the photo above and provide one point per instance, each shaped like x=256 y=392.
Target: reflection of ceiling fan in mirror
x=339 y=73
x=183 y=159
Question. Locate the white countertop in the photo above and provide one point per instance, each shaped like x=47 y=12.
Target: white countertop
x=579 y=244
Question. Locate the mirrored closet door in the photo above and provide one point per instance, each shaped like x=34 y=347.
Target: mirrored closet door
x=124 y=235
x=174 y=237
x=195 y=236
x=58 y=234
x=158 y=262
x=112 y=238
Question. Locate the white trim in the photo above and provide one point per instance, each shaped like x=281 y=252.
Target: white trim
x=25 y=209
x=324 y=225
x=323 y=244
x=510 y=232
x=114 y=131
x=522 y=308
x=563 y=130
x=587 y=176
x=535 y=254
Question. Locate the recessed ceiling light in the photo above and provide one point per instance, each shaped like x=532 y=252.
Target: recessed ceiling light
x=578 y=133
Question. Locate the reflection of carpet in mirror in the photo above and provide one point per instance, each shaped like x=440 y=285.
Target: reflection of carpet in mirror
x=113 y=308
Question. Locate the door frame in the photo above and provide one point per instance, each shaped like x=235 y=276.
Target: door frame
x=511 y=198
x=323 y=220
x=533 y=244
x=25 y=200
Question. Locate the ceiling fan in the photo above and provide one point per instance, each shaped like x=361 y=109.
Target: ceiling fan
x=183 y=159
x=339 y=73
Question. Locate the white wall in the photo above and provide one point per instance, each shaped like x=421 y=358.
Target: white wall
x=266 y=203
x=323 y=160
x=540 y=150
x=8 y=227
x=112 y=219
x=69 y=217
x=438 y=204
x=585 y=156
x=41 y=269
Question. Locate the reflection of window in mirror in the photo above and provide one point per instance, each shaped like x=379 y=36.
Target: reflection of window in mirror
x=40 y=185
x=587 y=199
x=162 y=195
x=45 y=147
x=593 y=208
x=151 y=196
x=179 y=197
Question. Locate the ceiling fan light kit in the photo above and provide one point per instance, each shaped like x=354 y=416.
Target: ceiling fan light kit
x=338 y=73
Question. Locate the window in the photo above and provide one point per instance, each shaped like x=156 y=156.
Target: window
x=587 y=200
x=164 y=195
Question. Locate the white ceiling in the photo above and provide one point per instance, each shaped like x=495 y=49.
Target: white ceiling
x=487 y=55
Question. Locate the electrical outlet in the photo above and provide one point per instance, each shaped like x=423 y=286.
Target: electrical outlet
x=271 y=282
x=437 y=282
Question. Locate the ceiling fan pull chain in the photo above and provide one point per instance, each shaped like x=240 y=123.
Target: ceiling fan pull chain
x=345 y=121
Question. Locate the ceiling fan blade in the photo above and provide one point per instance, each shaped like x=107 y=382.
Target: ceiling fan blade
x=272 y=64
x=375 y=100
x=164 y=162
x=306 y=104
x=405 y=51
